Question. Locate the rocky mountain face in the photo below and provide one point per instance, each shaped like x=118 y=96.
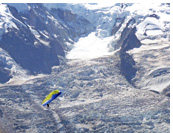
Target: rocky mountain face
x=125 y=88
x=39 y=37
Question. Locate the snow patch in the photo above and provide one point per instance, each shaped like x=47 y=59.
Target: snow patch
x=21 y=80
x=152 y=41
x=148 y=47
x=90 y=47
x=159 y=87
x=5 y=19
x=154 y=32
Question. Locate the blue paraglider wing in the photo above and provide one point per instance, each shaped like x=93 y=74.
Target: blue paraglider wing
x=51 y=97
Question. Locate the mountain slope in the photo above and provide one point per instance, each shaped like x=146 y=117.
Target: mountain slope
x=34 y=37
x=111 y=64
x=96 y=98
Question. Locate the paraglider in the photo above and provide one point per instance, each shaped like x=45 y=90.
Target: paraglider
x=51 y=97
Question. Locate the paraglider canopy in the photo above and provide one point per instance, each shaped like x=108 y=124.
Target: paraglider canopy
x=51 y=97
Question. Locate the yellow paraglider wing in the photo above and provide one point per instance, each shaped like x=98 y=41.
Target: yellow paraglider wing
x=51 y=97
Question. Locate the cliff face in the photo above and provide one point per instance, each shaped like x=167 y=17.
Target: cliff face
x=144 y=45
x=38 y=36
x=78 y=25
x=5 y=75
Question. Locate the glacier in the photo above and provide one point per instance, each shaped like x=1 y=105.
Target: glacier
x=105 y=16
x=110 y=61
